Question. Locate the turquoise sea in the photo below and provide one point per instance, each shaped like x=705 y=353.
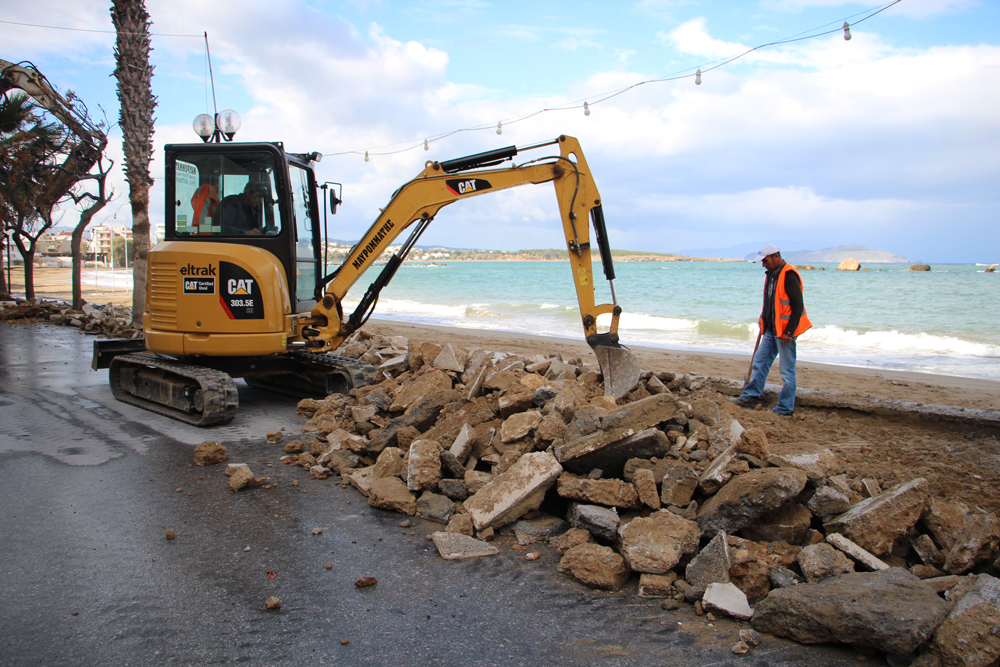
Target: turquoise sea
x=945 y=321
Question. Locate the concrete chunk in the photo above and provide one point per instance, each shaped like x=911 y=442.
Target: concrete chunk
x=716 y=474
x=456 y=546
x=491 y=505
x=611 y=457
x=619 y=424
x=595 y=566
x=601 y=522
x=608 y=492
x=856 y=552
x=969 y=635
x=656 y=544
x=727 y=599
x=876 y=523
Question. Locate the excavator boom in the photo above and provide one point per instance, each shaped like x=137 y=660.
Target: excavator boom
x=416 y=204
x=89 y=143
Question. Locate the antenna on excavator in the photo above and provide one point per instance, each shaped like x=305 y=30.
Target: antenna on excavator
x=217 y=126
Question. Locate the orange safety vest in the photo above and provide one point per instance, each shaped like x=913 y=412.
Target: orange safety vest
x=783 y=306
x=205 y=203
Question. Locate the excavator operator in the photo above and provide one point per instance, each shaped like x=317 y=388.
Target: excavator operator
x=242 y=213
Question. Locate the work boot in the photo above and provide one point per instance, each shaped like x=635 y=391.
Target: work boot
x=749 y=403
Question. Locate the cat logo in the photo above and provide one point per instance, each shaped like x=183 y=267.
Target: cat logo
x=243 y=286
x=467 y=186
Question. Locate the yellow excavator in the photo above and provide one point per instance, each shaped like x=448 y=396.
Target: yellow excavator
x=238 y=288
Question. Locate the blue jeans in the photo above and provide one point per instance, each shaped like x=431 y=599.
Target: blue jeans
x=771 y=347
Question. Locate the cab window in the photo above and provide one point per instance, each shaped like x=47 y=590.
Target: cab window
x=305 y=252
x=225 y=195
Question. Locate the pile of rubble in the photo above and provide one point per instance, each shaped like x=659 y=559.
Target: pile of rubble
x=107 y=320
x=665 y=484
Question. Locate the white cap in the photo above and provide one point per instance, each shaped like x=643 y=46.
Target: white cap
x=765 y=250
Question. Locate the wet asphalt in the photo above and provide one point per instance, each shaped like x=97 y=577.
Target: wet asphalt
x=89 y=487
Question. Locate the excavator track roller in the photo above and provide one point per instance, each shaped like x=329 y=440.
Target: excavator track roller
x=192 y=394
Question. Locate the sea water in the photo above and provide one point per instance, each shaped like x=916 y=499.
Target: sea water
x=944 y=321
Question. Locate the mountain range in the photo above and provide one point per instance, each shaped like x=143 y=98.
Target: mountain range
x=826 y=255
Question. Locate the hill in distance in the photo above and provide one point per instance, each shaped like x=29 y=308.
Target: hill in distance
x=839 y=254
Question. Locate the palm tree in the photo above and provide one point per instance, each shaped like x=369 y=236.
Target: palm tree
x=135 y=94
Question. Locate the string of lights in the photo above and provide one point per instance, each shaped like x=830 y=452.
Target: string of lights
x=587 y=103
x=103 y=32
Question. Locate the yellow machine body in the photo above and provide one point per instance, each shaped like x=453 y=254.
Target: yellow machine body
x=215 y=299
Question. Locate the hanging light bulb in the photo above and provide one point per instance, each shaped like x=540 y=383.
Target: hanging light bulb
x=586 y=109
x=500 y=127
x=697 y=78
x=366 y=156
x=426 y=147
x=847 y=31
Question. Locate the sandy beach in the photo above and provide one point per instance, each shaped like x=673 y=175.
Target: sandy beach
x=51 y=283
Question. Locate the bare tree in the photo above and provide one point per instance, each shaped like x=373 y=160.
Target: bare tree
x=135 y=94
x=92 y=203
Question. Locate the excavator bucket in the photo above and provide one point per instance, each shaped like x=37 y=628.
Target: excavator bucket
x=619 y=366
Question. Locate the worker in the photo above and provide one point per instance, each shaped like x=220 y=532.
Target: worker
x=241 y=214
x=782 y=320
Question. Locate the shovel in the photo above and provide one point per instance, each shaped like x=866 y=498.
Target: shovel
x=749 y=375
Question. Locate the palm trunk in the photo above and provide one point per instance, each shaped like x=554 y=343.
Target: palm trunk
x=135 y=93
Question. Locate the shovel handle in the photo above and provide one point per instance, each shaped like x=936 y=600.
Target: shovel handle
x=749 y=375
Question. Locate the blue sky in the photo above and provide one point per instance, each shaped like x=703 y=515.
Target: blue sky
x=890 y=139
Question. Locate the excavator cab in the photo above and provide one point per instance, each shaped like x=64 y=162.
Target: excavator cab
x=254 y=195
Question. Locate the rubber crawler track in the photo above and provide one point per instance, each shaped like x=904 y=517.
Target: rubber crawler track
x=221 y=399
x=361 y=372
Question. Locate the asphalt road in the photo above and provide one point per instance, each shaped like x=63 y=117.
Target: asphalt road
x=89 y=487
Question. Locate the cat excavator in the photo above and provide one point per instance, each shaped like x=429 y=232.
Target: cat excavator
x=239 y=288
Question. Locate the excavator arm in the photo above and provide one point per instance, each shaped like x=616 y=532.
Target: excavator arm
x=414 y=207
x=89 y=143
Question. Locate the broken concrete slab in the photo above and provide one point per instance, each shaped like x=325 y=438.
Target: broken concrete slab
x=890 y=611
x=789 y=523
x=717 y=473
x=519 y=425
x=657 y=585
x=389 y=493
x=827 y=502
x=944 y=520
x=451 y=358
x=678 y=486
x=974 y=543
x=656 y=544
x=616 y=426
x=858 y=554
x=424 y=468
x=599 y=521
x=968 y=637
x=822 y=561
x=607 y=492
x=457 y=546
x=876 y=523
x=361 y=479
x=727 y=599
x=435 y=507
x=748 y=496
x=645 y=483
x=428 y=383
x=493 y=504
x=710 y=566
x=611 y=457
x=596 y=566
x=209 y=453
